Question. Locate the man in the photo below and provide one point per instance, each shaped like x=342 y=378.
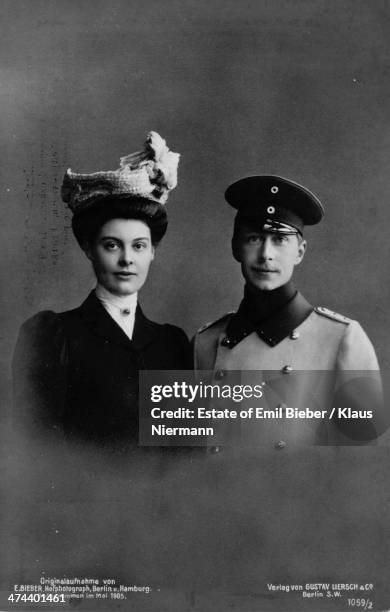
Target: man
x=276 y=329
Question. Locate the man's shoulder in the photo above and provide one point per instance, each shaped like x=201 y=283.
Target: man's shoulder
x=205 y=342
x=217 y=325
x=332 y=315
x=354 y=348
x=220 y=324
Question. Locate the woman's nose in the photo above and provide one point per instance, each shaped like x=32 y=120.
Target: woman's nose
x=126 y=257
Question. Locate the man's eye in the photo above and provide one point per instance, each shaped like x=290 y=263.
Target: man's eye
x=279 y=238
x=253 y=239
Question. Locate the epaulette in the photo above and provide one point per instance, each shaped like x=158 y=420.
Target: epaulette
x=207 y=325
x=335 y=316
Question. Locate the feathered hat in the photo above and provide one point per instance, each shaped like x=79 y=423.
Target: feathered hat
x=138 y=189
x=149 y=174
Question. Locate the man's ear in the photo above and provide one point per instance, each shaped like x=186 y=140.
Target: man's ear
x=301 y=251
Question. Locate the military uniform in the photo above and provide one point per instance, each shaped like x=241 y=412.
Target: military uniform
x=308 y=357
x=304 y=365
x=324 y=340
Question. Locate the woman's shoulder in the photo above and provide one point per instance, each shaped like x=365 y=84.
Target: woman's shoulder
x=174 y=332
x=39 y=344
x=43 y=328
x=161 y=329
x=175 y=343
x=45 y=321
x=48 y=319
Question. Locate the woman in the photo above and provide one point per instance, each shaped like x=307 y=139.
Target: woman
x=77 y=372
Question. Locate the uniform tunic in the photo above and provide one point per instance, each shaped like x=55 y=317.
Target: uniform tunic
x=307 y=356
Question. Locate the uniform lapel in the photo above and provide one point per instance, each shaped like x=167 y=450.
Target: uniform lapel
x=275 y=327
x=279 y=326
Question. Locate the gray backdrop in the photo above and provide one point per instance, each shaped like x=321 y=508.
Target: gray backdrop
x=296 y=88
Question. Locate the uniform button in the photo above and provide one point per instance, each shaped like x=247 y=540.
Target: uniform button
x=126 y=311
x=225 y=341
x=219 y=374
x=294 y=335
x=287 y=369
x=281 y=444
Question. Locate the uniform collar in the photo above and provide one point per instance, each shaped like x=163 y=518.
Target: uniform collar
x=102 y=324
x=273 y=328
x=260 y=305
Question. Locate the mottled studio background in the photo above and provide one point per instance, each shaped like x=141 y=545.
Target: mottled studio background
x=298 y=88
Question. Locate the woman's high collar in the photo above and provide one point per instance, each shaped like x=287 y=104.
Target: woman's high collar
x=119 y=301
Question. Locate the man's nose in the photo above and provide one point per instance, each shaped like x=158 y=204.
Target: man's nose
x=266 y=249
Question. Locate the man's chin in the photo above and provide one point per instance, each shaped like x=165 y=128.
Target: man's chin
x=264 y=286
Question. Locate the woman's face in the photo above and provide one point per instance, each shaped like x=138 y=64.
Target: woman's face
x=121 y=255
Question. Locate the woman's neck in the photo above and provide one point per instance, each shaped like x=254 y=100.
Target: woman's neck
x=120 y=301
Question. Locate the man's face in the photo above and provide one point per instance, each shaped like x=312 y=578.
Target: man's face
x=267 y=259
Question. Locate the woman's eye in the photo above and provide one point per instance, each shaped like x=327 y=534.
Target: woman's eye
x=110 y=246
x=139 y=246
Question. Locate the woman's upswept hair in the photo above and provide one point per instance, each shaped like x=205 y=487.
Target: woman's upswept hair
x=86 y=224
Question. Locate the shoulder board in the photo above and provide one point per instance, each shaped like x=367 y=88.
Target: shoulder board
x=207 y=325
x=335 y=316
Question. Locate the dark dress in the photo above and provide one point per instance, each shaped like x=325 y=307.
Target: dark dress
x=76 y=372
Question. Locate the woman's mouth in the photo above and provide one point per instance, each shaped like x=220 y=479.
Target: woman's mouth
x=125 y=275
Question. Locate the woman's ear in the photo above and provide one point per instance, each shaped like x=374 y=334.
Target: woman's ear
x=236 y=250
